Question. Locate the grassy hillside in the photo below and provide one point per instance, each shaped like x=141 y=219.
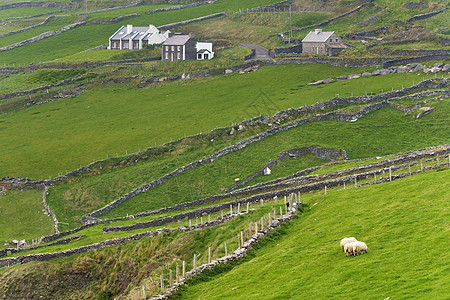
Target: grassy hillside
x=21 y=216
x=126 y=118
x=395 y=219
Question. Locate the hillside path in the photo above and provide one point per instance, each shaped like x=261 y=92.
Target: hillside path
x=260 y=52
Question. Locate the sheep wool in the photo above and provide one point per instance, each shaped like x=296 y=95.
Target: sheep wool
x=347 y=240
x=348 y=248
x=359 y=247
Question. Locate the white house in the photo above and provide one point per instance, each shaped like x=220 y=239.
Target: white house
x=135 y=37
x=204 y=50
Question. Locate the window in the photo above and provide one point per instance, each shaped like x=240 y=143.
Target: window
x=199 y=56
x=167 y=48
x=179 y=48
x=179 y=55
x=167 y=55
x=173 y=48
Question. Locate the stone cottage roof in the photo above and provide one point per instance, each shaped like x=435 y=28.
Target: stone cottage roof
x=177 y=40
x=317 y=36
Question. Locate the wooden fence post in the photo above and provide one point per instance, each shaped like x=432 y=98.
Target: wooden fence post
x=239 y=207
x=356 y=184
x=177 y=274
x=209 y=255
x=209 y=217
x=325 y=190
x=390 y=173
x=262 y=202
x=281 y=212
x=143 y=292
x=201 y=220
x=170 y=278
x=409 y=168
x=162 y=284
x=250 y=229
x=231 y=208
x=248 y=206
x=242 y=238
x=190 y=223
x=421 y=166
x=184 y=268
x=226 y=250
x=256 y=227
x=194 y=265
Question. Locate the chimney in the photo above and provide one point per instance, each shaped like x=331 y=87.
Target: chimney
x=129 y=28
x=318 y=31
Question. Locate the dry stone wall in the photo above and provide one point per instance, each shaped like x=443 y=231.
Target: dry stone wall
x=27 y=28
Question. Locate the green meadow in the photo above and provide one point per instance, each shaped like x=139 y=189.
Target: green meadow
x=126 y=118
x=303 y=260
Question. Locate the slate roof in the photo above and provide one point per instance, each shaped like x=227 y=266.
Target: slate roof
x=122 y=33
x=177 y=40
x=317 y=37
x=203 y=51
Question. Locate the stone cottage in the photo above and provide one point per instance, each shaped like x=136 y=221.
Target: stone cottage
x=185 y=47
x=136 y=37
x=322 y=43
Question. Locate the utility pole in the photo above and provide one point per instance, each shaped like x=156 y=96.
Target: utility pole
x=290 y=21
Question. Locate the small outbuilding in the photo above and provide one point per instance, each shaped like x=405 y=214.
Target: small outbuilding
x=322 y=43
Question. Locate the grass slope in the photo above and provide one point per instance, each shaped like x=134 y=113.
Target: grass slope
x=365 y=138
x=405 y=224
x=125 y=118
x=21 y=216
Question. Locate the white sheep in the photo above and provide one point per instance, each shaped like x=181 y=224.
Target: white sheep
x=348 y=248
x=359 y=247
x=347 y=240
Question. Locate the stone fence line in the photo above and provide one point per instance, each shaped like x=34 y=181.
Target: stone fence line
x=278 y=190
x=27 y=28
x=7 y=262
x=241 y=251
x=48 y=210
x=349 y=117
x=273 y=184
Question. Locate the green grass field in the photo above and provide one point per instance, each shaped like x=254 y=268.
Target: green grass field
x=126 y=118
x=365 y=138
x=21 y=216
x=395 y=219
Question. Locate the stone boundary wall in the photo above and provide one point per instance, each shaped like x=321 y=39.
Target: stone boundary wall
x=114 y=20
x=251 y=55
x=48 y=210
x=28 y=28
x=273 y=184
x=350 y=117
x=282 y=34
x=35 y=16
x=4 y=252
x=208 y=17
x=184 y=5
x=41 y=88
x=256 y=9
x=368 y=33
x=319 y=152
x=237 y=254
x=401 y=61
x=42 y=36
x=411 y=52
x=104 y=244
x=42 y=4
x=277 y=190
x=425 y=16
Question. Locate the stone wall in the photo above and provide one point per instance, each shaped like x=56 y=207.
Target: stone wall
x=212 y=16
x=348 y=117
x=426 y=16
x=42 y=4
x=279 y=190
x=274 y=184
x=27 y=28
x=185 y=5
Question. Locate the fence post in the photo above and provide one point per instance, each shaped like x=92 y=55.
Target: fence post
x=390 y=173
x=184 y=268
x=274 y=213
x=190 y=223
x=409 y=168
x=209 y=217
x=250 y=228
x=170 y=278
x=248 y=206
x=270 y=220
x=143 y=292
x=239 y=241
x=209 y=255
x=201 y=220
x=179 y=224
x=256 y=227
x=242 y=238
x=262 y=202
x=325 y=190
x=162 y=284
x=231 y=208
x=281 y=212
x=239 y=207
x=194 y=265
x=356 y=184
x=226 y=250
x=421 y=166
x=177 y=274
